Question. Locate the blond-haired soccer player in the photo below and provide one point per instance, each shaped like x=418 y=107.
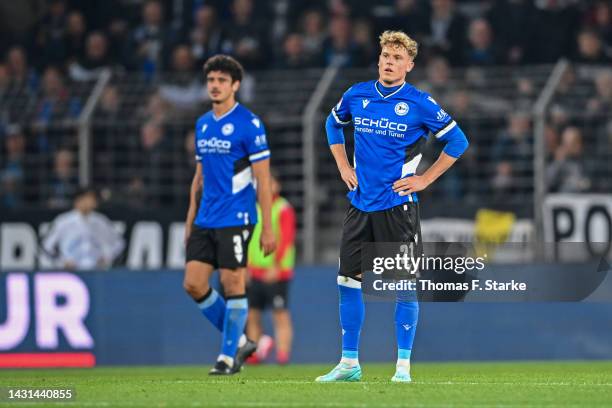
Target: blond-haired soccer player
x=392 y=120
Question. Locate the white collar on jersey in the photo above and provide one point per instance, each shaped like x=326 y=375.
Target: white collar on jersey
x=225 y=114
x=392 y=93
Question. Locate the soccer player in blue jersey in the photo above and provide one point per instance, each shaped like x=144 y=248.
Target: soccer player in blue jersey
x=392 y=120
x=231 y=150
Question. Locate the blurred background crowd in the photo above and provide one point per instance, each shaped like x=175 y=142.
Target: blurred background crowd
x=53 y=52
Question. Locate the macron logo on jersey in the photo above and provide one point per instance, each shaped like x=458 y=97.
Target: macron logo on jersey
x=204 y=127
x=365 y=103
x=256 y=122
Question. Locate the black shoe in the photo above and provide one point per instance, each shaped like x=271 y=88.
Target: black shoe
x=242 y=354
x=221 y=368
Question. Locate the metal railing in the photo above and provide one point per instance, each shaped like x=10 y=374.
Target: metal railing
x=84 y=123
x=539 y=158
x=132 y=135
x=310 y=120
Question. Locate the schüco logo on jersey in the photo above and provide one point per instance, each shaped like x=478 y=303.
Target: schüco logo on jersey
x=383 y=123
x=214 y=143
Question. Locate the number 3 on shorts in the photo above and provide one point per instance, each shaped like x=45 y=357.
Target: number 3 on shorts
x=238 y=251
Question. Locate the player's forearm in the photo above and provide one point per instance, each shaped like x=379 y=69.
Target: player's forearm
x=440 y=166
x=191 y=213
x=456 y=144
x=264 y=192
x=339 y=153
x=196 y=185
x=264 y=197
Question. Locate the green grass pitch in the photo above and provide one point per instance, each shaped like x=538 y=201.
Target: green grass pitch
x=535 y=384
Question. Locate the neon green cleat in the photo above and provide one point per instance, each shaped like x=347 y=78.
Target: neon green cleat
x=341 y=373
x=402 y=374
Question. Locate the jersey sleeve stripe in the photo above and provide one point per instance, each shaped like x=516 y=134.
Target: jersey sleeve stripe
x=445 y=129
x=259 y=155
x=338 y=120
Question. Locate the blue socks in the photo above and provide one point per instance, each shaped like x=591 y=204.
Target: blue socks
x=212 y=306
x=233 y=324
x=352 y=312
x=406 y=317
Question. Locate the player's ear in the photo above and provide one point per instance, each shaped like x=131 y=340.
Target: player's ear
x=410 y=66
x=236 y=86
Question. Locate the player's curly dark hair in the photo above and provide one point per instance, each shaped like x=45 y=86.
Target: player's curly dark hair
x=225 y=64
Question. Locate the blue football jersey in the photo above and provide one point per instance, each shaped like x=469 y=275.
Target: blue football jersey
x=226 y=146
x=390 y=134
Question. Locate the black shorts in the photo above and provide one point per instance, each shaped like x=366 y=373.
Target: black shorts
x=220 y=247
x=397 y=224
x=264 y=295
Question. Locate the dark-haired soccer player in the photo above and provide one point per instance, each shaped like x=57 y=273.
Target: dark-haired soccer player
x=392 y=120
x=231 y=149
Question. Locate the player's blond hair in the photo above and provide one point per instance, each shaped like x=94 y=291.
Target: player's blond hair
x=399 y=39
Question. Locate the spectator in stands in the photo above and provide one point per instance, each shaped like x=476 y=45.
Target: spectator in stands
x=182 y=88
x=600 y=19
x=118 y=32
x=153 y=162
x=601 y=103
x=565 y=101
x=438 y=78
x=96 y=59
x=446 y=30
x=276 y=14
x=526 y=93
x=48 y=41
x=23 y=82
x=481 y=49
x=366 y=49
x=185 y=165
x=134 y=194
x=314 y=35
x=503 y=182
x=110 y=104
x=408 y=15
x=5 y=82
x=553 y=30
x=63 y=182
x=245 y=36
x=12 y=172
x=206 y=35
x=190 y=151
x=294 y=56
x=567 y=173
x=509 y=154
x=82 y=238
x=155 y=110
x=515 y=143
x=511 y=22
x=590 y=49
x=604 y=149
x=74 y=39
x=54 y=102
x=150 y=41
x=109 y=142
x=339 y=47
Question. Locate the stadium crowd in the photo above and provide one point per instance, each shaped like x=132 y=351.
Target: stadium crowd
x=54 y=52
